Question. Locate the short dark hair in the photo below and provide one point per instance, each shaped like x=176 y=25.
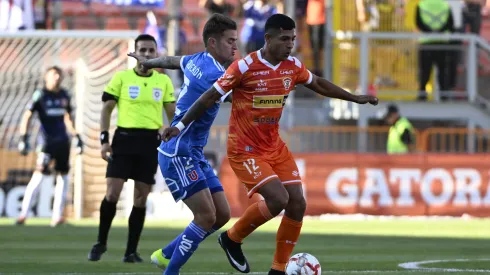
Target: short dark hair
x=144 y=37
x=216 y=25
x=54 y=68
x=279 y=21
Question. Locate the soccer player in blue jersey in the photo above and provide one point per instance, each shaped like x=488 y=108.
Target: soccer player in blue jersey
x=187 y=174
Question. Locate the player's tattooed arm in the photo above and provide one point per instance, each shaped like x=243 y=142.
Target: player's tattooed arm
x=164 y=62
x=326 y=88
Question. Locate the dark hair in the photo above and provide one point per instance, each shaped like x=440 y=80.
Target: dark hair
x=54 y=68
x=216 y=25
x=279 y=21
x=144 y=37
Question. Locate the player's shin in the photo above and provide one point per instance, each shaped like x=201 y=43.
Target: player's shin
x=190 y=239
x=168 y=251
x=60 y=193
x=256 y=215
x=286 y=239
x=31 y=191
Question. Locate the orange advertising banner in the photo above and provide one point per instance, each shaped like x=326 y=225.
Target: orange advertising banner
x=378 y=184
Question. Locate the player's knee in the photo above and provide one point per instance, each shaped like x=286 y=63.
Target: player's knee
x=297 y=205
x=140 y=201
x=277 y=204
x=206 y=220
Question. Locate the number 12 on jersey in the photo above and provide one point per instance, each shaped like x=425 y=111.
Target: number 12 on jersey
x=250 y=165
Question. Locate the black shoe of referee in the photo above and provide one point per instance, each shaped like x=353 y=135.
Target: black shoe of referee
x=97 y=250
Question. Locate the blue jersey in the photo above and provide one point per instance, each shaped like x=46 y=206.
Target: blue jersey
x=51 y=108
x=201 y=70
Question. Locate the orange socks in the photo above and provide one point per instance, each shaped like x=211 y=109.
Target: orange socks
x=286 y=239
x=256 y=215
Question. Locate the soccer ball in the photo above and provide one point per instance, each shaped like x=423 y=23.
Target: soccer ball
x=303 y=264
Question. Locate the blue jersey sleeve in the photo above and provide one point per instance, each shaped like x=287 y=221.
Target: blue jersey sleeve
x=184 y=60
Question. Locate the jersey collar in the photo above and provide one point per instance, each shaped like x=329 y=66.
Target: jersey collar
x=267 y=63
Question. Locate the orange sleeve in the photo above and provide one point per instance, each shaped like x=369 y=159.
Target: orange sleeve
x=304 y=75
x=229 y=80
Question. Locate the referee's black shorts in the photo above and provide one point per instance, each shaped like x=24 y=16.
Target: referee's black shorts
x=134 y=155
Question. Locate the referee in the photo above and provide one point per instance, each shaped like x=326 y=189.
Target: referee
x=140 y=96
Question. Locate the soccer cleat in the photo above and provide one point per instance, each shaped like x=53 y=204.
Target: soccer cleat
x=158 y=259
x=276 y=272
x=55 y=223
x=132 y=258
x=234 y=253
x=20 y=221
x=97 y=250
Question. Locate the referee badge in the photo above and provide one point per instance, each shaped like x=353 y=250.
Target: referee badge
x=134 y=91
x=157 y=94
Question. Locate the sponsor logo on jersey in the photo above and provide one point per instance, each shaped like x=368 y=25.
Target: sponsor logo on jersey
x=266 y=120
x=287 y=82
x=269 y=101
x=286 y=71
x=261 y=73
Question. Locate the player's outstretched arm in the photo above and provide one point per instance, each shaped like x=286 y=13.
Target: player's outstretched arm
x=204 y=102
x=328 y=89
x=164 y=62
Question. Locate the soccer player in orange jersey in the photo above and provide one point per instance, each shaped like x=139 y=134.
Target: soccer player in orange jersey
x=261 y=83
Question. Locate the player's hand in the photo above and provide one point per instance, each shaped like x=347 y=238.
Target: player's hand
x=363 y=99
x=141 y=60
x=170 y=133
x=106 y=152
x=80 y=144
x=24 y=147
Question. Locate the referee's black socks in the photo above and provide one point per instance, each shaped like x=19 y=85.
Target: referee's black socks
x=136 y=222
x=107 y=213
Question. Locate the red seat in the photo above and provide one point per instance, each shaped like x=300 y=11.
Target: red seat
x=85 y=23
x=117 y=23
x=74 y=9
x=100 y=9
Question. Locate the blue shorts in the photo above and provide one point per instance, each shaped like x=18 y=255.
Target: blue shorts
x=212 y=180
x=185 y=176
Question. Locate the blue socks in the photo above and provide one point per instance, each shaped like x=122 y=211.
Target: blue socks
x=187 y=243
x=168 y=251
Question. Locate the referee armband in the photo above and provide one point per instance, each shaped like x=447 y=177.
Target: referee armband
x=106 y=97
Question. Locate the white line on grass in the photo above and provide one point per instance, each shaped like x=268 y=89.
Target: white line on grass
x=417 y=265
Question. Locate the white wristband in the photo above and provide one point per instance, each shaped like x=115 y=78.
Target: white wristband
x=180 y=126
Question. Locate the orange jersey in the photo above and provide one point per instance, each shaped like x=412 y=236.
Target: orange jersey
x=259 y=93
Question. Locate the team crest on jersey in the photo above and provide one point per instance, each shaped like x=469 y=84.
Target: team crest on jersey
x=193 y=175
x=157 y=94
x=134 y=91
x=287 y=82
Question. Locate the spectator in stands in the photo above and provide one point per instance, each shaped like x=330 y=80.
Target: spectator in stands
x=217 y=6
x=401 y=139
x=315 y=19
x=256 y=12
x=454 y=56
x=434 y=16
x=472 y=14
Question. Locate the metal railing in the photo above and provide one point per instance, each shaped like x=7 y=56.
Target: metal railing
x=360 y=44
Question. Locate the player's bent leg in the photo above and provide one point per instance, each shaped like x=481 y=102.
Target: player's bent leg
x=289 y=229
x=107 y=213
x=30 y=193
x=223 y=213
x=136 y=222
x=201 y=205
x=41 y=173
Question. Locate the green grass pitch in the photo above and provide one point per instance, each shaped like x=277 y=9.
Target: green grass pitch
x=342 y=246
